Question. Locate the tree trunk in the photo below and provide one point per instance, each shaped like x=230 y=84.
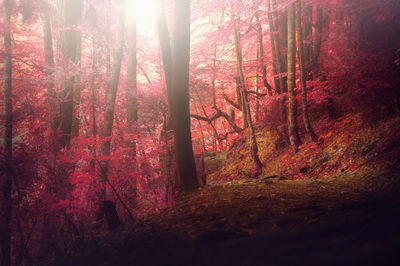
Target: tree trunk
x=165 y=45
x=291 y=80
x=317 y=40
x=70 y=39
x=261 y=55
x=240 y=81
x=307 y=38
x=306 y=120
x=253 y=141
x=132 y=108
x=94 y=90
x=280 y=62
x=6 y=179
x=275 y=51
x=50 y=83
x=180 y=97
x=282 y=31
x=111 y=92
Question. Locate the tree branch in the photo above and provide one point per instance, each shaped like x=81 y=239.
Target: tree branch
x=217 y=115
x=237 y=106
x=257 y=94
x=250 y=26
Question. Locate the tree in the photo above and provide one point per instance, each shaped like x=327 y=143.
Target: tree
x=111 y=94
x=165 y=45
x=6 y=179
x=132 y=106
x=303 y=72
x=291 y=80
x=70 y=39
x=180 y=97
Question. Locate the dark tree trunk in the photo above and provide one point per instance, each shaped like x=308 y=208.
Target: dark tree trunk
x=94 y=90
x=111 y=92
x=165 y=44
x=108 y=212
x=132 y=108
x=306 y=120
x=253 y=141
x=275 y=50
x=291 y=80
x=261 y=55
x=281 y=65
x=180 y=97
x=282 y=30
x=50 y=83
x=307 y=38
x=70 y=39
x=240 y=82
x=317 y=40
x=6 y=177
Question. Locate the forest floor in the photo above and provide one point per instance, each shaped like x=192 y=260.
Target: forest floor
x=347 y=220
x=336 y=202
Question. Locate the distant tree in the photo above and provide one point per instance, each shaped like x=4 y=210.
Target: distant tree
x=165 y=45
x=131 y=101
x=303 y=77
x=70 y=41
x=291 y=80
x=111 y=94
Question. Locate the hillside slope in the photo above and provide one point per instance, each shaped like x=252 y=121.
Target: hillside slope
x=336 y=202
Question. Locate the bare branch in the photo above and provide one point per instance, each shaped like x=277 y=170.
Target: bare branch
x=237 y=106
x=257 y=94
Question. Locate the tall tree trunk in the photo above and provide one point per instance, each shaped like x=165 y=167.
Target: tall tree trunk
x=93 y=85
x=50 y=83
x=180 y=97
x=257 y=108
x=306 y=120
x=111 y=92
x=241 y=85
x=70 y=38
x=49 y=60
x=132 y=108
x=261 y=55
x=253 y=141
x=291 y=80
x=307 y=37
x=240 y=81
x=165 y=44
x=317 y=40
x=276 y=61
x=6 y=179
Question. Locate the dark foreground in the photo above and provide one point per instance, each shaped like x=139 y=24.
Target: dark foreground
x=368 y=235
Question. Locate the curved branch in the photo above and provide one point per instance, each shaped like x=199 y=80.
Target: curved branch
x=250 y=26
x=257 y=94
x=237 y=106
x=217 y=115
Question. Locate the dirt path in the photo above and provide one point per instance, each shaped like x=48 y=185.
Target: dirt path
x=271 y=204
x=348 y=220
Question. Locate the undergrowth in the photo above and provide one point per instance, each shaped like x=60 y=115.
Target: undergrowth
x=348 y=147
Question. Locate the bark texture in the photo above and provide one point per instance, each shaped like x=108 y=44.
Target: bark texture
x=112 y=88
x=6 y=177
x=291 y=79
x=132 y=108
x=180 y=97
x=303 y=72
x=70 y=42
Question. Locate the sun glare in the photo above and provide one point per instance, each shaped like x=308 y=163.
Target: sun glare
x=144 y=9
